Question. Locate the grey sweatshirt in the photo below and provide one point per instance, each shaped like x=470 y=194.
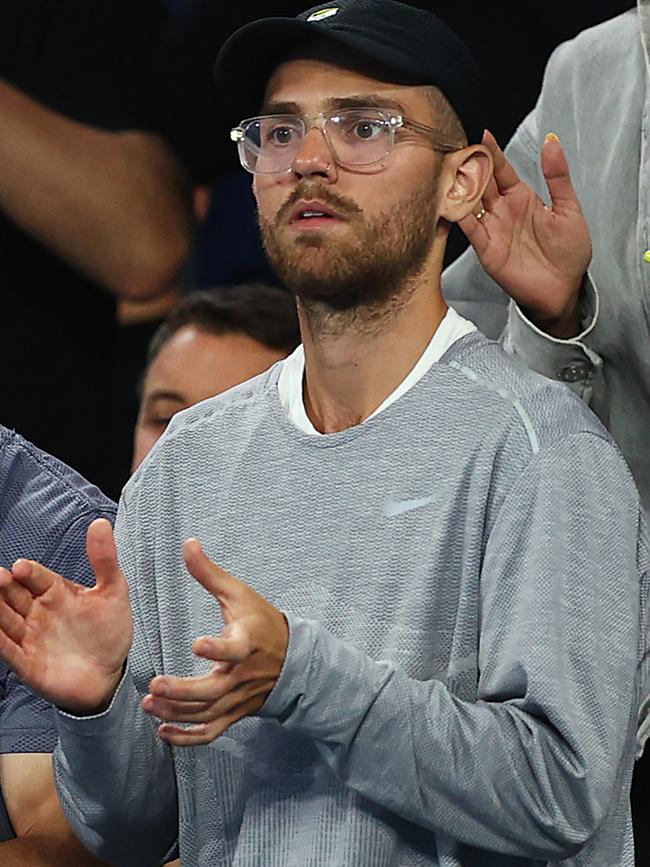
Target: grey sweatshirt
x=462 y=576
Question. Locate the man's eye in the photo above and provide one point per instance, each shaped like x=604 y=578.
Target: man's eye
x=161 y=421
x=281 y=135
x=367 y=129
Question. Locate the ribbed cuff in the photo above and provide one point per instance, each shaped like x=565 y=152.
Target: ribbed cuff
x=326 y=685
x=293 y=680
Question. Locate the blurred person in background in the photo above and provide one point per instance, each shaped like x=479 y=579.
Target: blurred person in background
x=214 y=340
x=46 y=508
x=94 y=206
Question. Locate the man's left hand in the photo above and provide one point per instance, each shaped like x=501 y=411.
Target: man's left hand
x=248 y=657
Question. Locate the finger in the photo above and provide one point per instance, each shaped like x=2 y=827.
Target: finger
x=17 y=596
x=474 y=231
x=192 y=735
x=504 y=174
x=216 y=580
x=206 y=711
x=205 y=733
x=491 y=195
x=235 y=645
x=207 y=687
x=102 y=554
x=11 y=653
x=558 y=177
x=178 y=711
x=36 y=578
x=11 y=624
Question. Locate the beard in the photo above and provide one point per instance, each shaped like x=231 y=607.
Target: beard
x=367 y=270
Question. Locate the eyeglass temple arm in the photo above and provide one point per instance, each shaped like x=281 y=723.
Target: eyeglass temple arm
x=435 y=135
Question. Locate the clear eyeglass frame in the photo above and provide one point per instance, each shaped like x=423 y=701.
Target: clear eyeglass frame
x=282 y=161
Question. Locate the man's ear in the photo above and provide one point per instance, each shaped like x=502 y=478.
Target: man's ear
x=465 y=176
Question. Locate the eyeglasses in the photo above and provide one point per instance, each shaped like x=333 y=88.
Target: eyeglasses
x=357 y=137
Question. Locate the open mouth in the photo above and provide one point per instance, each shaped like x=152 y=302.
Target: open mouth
x=314 y=215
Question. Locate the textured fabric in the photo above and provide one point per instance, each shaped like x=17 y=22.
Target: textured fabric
x=45 y=508
x=290 y=381
x=461 y=576
x=596 y=98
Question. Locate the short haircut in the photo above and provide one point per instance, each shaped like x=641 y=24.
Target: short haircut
x=445 y=118
x=265 y=313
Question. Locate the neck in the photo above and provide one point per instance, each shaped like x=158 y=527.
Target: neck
x=355 y=359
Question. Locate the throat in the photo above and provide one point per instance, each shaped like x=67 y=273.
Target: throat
x=354 y=362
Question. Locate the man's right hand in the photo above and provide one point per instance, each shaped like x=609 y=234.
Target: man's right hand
x=67 y=642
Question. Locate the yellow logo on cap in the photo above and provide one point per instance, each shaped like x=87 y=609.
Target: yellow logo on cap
x=323 y=13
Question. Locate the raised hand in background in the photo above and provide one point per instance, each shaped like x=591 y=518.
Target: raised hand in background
x=538 y=255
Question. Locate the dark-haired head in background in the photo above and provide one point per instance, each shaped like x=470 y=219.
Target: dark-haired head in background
x=214 y=340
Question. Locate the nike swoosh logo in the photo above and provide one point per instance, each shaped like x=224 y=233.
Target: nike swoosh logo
x=398 y=507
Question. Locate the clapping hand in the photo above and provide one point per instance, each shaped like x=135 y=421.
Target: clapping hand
x=538 y=255
x=248 y=657
x=67 y=642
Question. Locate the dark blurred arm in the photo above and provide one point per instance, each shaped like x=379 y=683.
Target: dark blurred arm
x=115 y=205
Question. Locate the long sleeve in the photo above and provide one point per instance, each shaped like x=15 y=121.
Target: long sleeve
x=530 y=767
x=115 y=777
x=475 y=295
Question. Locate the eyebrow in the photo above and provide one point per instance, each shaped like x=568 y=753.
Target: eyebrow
x=163 y=395
x=368 y=100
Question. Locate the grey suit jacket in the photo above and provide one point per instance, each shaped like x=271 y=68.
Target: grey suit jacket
x=596 y=98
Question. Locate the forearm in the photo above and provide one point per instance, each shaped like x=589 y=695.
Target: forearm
x=107 y=768
x=444 y=764
x=117 y=206
x=46 y=850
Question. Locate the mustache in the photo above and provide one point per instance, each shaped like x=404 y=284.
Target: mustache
x=341 y=204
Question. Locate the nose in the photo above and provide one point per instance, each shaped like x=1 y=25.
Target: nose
x=315 y=157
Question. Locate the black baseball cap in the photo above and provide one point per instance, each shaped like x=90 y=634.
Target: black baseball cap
x=414 y=45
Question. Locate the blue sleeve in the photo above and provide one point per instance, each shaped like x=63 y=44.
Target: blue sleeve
x=27 y=723
x=67 y=555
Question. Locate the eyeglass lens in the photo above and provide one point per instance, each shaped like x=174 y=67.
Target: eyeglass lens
x=358 y=137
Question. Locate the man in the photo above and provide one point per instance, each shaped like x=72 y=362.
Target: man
x=437 y=663
x=45 y=509
x=214 y=340
x=592 y=331
x=592 y=334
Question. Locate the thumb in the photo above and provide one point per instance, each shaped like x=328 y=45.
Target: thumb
x=221 y=584
x=557 y=175
x=102 y=554
x=233 y=645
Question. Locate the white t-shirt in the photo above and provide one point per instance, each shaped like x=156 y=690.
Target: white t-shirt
x=451 y=329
